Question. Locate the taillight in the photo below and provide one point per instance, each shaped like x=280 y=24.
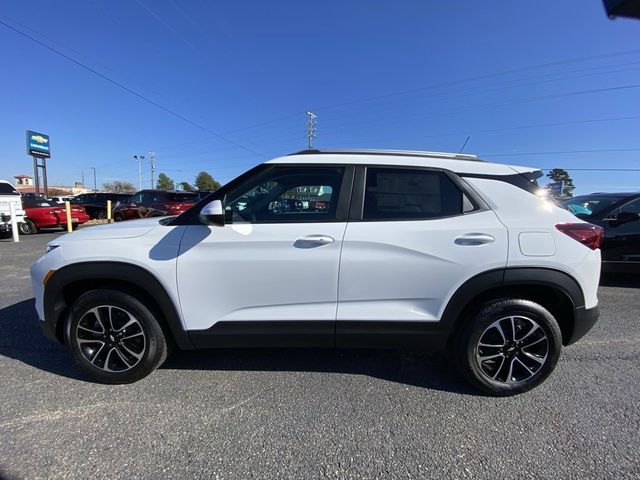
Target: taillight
x=586 y=233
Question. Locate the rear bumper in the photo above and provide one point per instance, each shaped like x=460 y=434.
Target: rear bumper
x=584 y=320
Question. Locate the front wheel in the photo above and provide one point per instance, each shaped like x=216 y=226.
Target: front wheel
x=114 y=337
x=117 y=217
x=509 y=347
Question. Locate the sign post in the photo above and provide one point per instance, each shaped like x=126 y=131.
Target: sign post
x=39 y=147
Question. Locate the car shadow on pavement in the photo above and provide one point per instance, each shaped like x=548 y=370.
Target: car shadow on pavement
x=625 y=280
x=430 y=371
x=22 y=340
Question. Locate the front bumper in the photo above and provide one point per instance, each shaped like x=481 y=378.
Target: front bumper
x=39 y=269
x=584 y=320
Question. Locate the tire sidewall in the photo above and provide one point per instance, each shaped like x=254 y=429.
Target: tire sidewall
x=156 y=346
x=488 y=315
x=30 y=227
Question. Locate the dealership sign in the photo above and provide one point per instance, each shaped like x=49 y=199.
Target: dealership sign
x=38 y=144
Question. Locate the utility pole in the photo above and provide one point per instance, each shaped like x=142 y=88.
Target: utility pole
x=83 y=178
x=95 y=184
x=152 y=161
x=311 y=129
x=139 y=159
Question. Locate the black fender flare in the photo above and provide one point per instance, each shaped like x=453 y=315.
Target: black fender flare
x=510 y=276
x=55 y=303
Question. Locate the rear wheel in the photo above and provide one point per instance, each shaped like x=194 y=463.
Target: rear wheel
x=117 y=217
x=101 y=214
x=27 y=227
x=114 y=338
x=509 y=347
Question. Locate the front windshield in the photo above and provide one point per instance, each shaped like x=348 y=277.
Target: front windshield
x=587 y=206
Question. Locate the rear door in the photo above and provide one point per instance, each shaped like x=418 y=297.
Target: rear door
x=414 y=239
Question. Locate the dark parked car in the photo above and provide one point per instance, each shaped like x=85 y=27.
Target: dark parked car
x=96 y=203
x=154 y=203
x=619 y=215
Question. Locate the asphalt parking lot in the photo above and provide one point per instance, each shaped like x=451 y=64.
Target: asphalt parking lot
x=311 y=414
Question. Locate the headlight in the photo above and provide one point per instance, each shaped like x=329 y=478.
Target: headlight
x=50 y=247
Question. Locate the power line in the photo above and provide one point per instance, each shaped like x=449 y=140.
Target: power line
x=482 y=106
x=419 y=101
x=129 y=90
x=518 y=127
x=559 y=152
x=481 y=77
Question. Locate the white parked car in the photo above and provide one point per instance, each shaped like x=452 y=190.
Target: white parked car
x=9 y=195
x=408 y=249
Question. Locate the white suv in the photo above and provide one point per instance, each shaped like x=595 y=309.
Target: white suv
x=335 y=249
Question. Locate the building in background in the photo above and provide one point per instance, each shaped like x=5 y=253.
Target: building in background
x=24 y=184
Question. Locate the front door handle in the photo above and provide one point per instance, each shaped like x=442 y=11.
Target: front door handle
x=313 y=241
x=472 y=239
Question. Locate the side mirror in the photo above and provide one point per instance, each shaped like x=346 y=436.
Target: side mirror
x=626 y=217
x=213 y=213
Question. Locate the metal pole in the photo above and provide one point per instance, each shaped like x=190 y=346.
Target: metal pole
x=108 y=211
x=14 y=222
x=36 y=174
x=311 y=129
x=44 y=177
x=67 y=207
x=152 y=161
x=95 y=184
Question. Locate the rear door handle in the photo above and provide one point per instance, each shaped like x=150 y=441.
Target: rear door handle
x=313 y=240
x=472 y=239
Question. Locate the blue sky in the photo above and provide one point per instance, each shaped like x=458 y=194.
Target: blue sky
x=521 y=78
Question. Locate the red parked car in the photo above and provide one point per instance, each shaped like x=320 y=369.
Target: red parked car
x=154 y=203
x=41 y=213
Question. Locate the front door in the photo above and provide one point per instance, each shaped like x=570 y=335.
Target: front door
x=270 y=275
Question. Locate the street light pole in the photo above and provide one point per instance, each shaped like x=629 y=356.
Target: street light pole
x=139 y=158
x=152 y=161
x=95 y=184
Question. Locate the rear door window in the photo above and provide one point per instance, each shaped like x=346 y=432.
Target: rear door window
x=410 y=194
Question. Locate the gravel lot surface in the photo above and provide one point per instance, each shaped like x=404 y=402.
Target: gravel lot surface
x=313 y=414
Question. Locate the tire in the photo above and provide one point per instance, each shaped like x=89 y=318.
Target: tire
x=75 y=226
x=117 y=217
x=134 y=351
x=499 y=363
x=27 y=227
x=101 y=214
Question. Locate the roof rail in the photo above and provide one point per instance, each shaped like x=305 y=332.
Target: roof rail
x=403 y=153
